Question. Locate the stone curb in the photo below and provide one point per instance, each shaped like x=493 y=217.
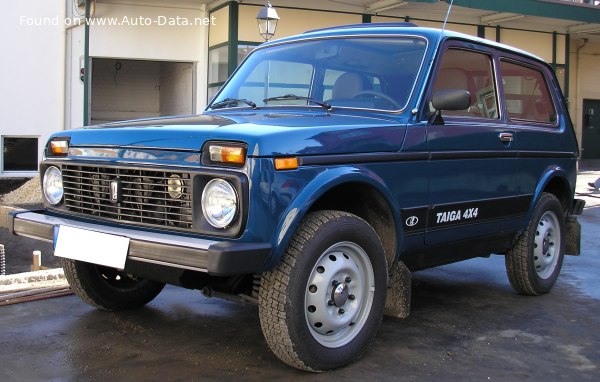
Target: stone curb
x=31 y=277
x=33 y=280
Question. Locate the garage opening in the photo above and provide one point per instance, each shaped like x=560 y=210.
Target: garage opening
x=131 y=89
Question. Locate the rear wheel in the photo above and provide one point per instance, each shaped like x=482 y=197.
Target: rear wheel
x=108 y=288
x=321 y=306
x=535 y=261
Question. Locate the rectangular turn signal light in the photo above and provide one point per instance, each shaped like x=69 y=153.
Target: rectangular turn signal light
x=227 y=154
x=286 y=163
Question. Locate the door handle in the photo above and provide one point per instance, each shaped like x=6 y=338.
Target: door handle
x=506 y=137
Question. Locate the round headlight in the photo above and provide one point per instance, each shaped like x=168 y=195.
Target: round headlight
x=53 y=185
x=219 y=203
x=175 y=186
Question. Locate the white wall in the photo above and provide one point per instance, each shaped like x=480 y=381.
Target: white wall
x=32 y=69
x=176 y=88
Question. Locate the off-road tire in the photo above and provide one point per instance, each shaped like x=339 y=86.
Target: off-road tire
x=109 y=289
x=286 y=299
x=532 y=271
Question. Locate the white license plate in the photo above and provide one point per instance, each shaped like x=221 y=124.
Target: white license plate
x=91 y=247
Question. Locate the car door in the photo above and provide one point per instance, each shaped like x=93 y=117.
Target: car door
x=472 y=157
x=532 y=102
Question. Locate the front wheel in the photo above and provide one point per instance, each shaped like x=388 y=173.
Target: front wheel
x=534 y=262
x=321 y=306
x=107 y=288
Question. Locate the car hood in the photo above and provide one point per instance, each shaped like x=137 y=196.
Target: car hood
x=267 y=134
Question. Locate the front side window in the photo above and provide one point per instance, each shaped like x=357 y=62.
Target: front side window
x=526 y=94
x=366 y=73
x=471 y=71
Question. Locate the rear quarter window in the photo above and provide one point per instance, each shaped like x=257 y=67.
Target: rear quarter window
x=526 y=94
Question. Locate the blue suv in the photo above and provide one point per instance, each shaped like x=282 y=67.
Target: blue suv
x=329 y=167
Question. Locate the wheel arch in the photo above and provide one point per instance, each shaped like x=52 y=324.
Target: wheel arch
x=554 y=181
x=357 y=191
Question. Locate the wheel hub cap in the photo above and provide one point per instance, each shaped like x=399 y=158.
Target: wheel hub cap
x=340 y=294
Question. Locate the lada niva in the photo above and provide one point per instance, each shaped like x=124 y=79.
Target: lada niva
x=329 y=167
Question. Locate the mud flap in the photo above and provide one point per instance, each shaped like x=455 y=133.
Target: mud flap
x=398 y=294
x=573 y=244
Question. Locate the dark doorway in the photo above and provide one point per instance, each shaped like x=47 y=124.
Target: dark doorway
x=132 y=89
x=591 y=129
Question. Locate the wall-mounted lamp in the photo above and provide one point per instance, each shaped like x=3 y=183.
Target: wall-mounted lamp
x=267 y=21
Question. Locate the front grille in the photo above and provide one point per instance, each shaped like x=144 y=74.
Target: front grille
x=145 y=195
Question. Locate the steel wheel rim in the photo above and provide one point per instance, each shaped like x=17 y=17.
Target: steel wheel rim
x=546 y=245
x=339 y=294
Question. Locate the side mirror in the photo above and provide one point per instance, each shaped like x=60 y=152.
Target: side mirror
x=449 y=99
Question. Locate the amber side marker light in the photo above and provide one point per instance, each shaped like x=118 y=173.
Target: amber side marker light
x=227 y=154
x=286 y=163
x=59 y=147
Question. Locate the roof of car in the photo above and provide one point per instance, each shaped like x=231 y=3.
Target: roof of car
x=432 y=34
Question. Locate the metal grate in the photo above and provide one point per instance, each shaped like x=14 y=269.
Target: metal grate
x=146 y=196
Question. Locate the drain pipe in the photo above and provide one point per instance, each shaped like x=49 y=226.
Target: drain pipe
x=578 y=55
x=2 y=261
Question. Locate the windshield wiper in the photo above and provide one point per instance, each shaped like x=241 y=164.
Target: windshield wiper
x=294 y=97
x=229 y=101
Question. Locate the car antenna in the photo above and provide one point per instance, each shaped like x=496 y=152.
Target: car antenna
x=447 y=16
x=439 y=41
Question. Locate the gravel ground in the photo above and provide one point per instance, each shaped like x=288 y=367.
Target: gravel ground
x=26 y=194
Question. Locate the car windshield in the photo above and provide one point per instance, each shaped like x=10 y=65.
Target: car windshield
x=366 y=73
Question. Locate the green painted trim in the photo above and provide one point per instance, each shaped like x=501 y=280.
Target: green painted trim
x=481 y=31
x=303 y=9
x=554 y=10
x=86 y=68
x=253 y=43
x=567 y=65
x=498 y=33
x=215 y=84
x=554 y=42
x=367 y=18
x=234 y=15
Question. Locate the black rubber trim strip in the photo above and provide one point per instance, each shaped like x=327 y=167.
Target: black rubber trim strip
x=472 y=154
x=315 y=160
x=547 y=154
x=362 y=158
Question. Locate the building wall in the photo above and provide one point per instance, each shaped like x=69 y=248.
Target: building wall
x=584 y=79
x=146 y=33
x=32 y=69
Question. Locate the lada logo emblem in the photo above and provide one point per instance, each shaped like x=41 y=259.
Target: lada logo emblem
x=412 y=221
x=115 y=191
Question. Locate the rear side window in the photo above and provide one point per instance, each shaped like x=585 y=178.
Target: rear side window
x=470 y=71
x=526 y=94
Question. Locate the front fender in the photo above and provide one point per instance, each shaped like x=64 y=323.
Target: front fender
x=321 y=183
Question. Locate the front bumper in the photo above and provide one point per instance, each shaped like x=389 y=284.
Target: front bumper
x=218 y=258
